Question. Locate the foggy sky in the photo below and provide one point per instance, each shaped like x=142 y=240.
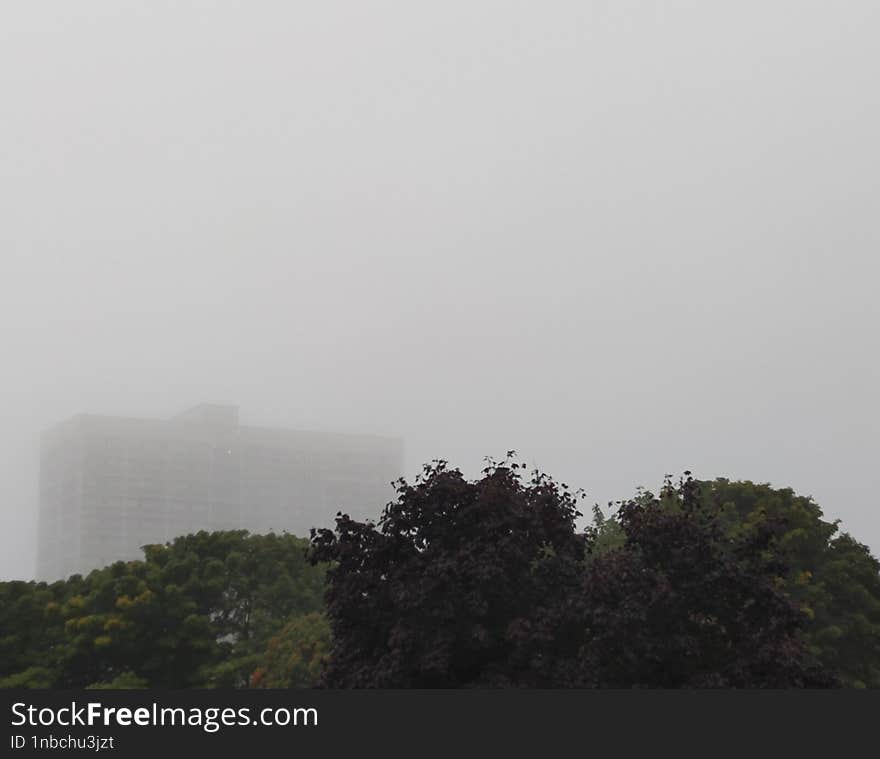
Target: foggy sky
x=623 y=238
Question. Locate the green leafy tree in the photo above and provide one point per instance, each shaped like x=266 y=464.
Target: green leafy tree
x=125 y=681
x=196 y=612
x=295 y=657
x=833 y=577
x=29 y=627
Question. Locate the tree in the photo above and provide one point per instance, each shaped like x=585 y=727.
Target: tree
x=474 y=583
x=833 y=577
x=682 y=603
x=487 y=583
x=295 y=657
x=196 y=612
x=29 y=628
x=462 y=583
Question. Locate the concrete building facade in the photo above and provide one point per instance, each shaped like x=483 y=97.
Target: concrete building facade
x=109 y=485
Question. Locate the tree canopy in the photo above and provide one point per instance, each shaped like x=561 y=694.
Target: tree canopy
x=681 y=602
x=196 y=612
x=489 y=583
x=455 y=585
x=833 y=577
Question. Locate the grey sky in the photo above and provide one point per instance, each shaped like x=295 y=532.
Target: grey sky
x=624 y=238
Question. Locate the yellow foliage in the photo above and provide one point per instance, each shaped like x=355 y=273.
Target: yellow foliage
x=145 y=597
x=114 y=623
x=804 y=577
x=123 y=602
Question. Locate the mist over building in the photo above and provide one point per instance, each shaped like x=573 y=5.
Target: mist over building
x=109 y=485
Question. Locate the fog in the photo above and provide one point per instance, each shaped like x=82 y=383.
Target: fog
x=623 y=238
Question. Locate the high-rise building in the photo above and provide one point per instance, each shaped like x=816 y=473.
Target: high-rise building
x=109 y=485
